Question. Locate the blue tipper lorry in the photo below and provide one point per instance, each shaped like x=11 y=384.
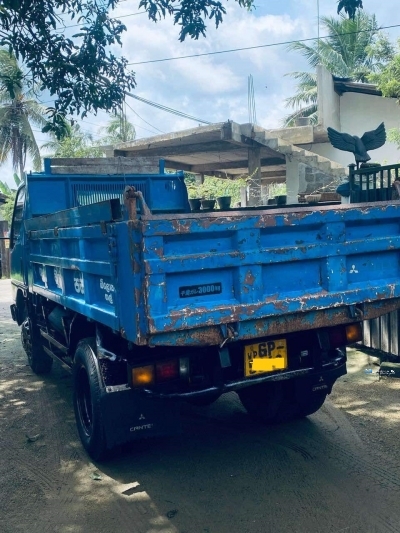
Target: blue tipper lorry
x=151 y=305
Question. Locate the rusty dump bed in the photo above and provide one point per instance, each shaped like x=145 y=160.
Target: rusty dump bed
x=200 y=278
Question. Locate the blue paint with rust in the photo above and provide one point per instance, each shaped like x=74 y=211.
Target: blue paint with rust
x=178 y=278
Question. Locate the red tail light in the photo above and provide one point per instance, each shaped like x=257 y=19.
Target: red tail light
x=167 y=370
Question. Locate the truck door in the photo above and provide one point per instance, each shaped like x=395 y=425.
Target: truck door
x=18 y=242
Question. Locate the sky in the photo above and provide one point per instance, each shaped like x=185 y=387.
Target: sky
x=214 y=88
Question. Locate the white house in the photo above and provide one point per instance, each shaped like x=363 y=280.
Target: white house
x=354 y=108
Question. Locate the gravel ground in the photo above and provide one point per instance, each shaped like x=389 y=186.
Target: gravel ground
x=337 y=471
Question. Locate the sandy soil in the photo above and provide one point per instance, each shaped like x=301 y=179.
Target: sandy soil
x=337 y=471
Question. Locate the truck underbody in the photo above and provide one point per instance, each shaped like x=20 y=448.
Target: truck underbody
x=151 y=309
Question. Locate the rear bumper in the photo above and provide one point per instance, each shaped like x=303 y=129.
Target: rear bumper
x=130 y=414
x=306 y=378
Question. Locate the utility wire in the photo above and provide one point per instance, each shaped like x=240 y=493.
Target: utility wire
x=148 y=123
x=269 y=45
x=168 y=109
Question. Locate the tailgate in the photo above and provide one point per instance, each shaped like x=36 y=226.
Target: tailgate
x=248 y=268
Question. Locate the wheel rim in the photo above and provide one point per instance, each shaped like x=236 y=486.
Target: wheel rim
x=84 y=402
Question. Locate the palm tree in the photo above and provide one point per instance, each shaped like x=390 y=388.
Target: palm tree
x=350 y=7
x=18 y=109
x=119 y=130
x=353 y=49
x=74 y=143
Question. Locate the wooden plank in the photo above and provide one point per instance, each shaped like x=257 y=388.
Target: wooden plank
x=106 y=165
x=367 y=333
x=375 y=334
x=107 y=211
x=385 y=333
x=394 y=333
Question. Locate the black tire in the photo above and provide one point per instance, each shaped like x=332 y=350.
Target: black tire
x=310 y=404
x=276 y=402
x=269 y=402
x=88 y=387
x=31 y=339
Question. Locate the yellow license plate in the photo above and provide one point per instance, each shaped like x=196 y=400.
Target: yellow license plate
x=265 y=357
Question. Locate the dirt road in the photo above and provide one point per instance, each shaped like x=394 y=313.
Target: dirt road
x=336 y=472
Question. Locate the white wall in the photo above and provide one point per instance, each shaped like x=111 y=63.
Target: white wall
x=354 y=113
x=328 y=100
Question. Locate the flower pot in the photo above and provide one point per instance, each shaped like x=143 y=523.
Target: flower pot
x=224 y=202
x=207 y=205
x=195 y=204
x=281 y=200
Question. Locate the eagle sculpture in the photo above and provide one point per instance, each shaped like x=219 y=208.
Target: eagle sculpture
x=371 y=140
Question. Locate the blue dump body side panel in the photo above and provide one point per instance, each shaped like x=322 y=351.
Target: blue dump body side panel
x=182 y=278
x=77 y=268
x=254 y=268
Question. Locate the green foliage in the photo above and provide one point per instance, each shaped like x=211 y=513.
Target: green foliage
x=8 y=207
x=4 y=188
x=215 y=188
x=18 y=110
x=82 y=71
x=354 y=49
x=190 y=15
x=393 y=136
x=276 y=189
x=388 y=79
x=119 y=130
x=350 y=7
x=75 y=144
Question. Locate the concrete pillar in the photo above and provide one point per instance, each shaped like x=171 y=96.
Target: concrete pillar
x=255 y=174
x=292 y=179
x=243 y=196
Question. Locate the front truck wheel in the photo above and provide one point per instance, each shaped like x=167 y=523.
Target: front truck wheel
x=38 y=359
x=88 y=387
x=277 y=401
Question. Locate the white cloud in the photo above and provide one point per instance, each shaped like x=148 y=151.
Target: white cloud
x=215 y=87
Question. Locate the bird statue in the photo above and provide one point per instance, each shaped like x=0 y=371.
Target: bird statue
x=371 y=140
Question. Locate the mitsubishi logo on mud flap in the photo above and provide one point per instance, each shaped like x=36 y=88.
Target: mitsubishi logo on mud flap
x=321 y=379
x=353 y=269
x=142 y=417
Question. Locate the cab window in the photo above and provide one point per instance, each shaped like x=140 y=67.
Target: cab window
x=17 y=217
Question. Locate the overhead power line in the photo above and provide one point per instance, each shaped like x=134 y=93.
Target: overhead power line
x=148 y=123
x=167 y=109
x=268 y=45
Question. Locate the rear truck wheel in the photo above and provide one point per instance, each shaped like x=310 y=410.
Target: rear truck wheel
x=278 y=402
x=268 y=402
x=310 y=404
x=38 y=359
x=88 y=388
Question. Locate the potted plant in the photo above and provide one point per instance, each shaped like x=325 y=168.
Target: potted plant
x=214 y=189
x=224 y=202
x=194 y=197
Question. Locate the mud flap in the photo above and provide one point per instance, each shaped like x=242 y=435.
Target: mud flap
x=318 y=382
x=128 y=416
